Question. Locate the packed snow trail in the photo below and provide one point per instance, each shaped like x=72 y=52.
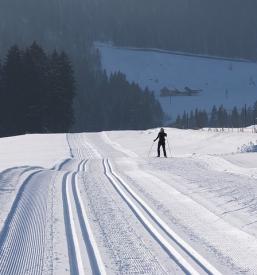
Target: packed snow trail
x=118 y=233
x=22 y=238
x=72 y=197
x=105 y=209
x=198 y=259
x=205 y=267
x=95 y=259
x=86 y=254
x=26 y=240
x=195 y=195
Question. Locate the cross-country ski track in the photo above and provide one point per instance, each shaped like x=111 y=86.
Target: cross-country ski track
x=99 y=212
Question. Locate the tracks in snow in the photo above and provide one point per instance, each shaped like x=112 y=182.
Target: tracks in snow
x=78 y=228
x=23 y=235
x=22 y=240
x=183 y=254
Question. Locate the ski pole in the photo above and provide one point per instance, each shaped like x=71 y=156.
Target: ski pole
x=150 y=149
x=169 y=147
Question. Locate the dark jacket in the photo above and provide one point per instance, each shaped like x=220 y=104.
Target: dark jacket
x=161 y=136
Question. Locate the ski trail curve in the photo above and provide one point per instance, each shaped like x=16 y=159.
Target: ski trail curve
x=22 y=238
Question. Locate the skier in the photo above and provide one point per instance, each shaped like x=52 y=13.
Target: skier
x=161 y=136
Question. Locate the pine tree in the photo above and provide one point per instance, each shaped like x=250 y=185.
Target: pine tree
x=178 y=122
x=222 y=117
x=35 y=64
x=235 y=121
x=202 y=119
x=249 y=116
x=214 y=117
x=192 y=121
x=255 y=112
x=37 y=93
x=184 y=120
x=196 y=116
x=13 y=102
x=59 y=116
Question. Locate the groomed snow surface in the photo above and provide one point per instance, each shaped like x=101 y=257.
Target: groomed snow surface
x=102 y=203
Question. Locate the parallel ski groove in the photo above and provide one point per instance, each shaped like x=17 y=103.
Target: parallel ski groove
x=180 y=261
x=97 y=266
x=59 y=166
x=206 y=266
x=6 y=238
x=69 y=235
x=73 y=229
x=75 y=253
x=23 y=235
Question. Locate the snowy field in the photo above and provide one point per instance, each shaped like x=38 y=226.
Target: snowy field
x=101 y=203
x=222 y=81
x=33 y=150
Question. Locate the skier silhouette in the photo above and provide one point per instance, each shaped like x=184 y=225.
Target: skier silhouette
x=161 y=136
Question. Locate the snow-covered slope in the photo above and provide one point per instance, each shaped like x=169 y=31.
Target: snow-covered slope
x=33 y=150
x=100 y=205
x=222 y=81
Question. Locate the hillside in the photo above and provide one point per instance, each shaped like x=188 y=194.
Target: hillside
x=179 y=25
x=175 y=25
x=229 y=82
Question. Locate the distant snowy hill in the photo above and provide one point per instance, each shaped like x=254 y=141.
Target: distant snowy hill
x=222 y=81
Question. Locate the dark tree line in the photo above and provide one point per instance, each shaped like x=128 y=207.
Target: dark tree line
x=218 y=118
x=112 y=103
x=225 y=28
x=36 y=91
